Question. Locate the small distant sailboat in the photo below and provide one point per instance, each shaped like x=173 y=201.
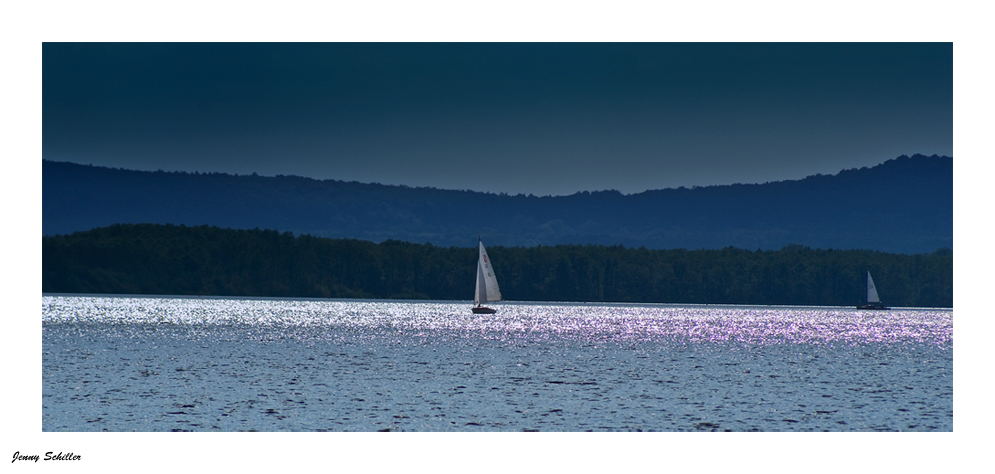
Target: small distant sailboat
x=487 y=286
x=873 y=301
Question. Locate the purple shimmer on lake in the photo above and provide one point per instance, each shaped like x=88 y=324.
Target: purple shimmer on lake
x=162 y=364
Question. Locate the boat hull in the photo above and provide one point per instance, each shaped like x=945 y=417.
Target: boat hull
x=872 y=306
x=483 y=310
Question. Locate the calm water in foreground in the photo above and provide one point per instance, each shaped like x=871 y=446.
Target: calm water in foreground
x=190 y=364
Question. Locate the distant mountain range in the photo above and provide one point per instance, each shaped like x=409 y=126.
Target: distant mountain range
x=904 y=205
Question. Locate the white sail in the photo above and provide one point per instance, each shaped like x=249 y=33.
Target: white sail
x=872 y=292
x=487 y=286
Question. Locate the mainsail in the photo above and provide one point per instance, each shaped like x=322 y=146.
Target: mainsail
x=487 y=286
x=872 y=292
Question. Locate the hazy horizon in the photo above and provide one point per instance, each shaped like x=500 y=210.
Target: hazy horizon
x=473 y=190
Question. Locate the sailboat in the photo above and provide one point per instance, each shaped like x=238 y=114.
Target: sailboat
x=873 y=302
x=487 y=286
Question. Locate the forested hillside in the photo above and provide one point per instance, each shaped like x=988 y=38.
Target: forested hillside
x=180 y=260
x=904 y=205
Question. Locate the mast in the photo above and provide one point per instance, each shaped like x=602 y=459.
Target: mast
x=480 y=294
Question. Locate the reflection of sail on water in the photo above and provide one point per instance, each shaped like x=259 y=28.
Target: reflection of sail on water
x=872 y=292
x=487 y=286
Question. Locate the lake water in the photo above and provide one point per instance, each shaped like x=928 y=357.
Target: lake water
x=193 y=364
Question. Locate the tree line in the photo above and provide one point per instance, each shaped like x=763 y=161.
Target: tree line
x=203 y=260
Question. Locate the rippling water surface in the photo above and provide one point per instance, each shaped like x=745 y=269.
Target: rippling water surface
x=191 y=364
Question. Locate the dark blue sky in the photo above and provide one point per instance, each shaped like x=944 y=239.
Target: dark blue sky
x=499 y=117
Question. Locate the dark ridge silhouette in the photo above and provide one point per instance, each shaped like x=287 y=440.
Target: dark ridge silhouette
x=904 y=205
